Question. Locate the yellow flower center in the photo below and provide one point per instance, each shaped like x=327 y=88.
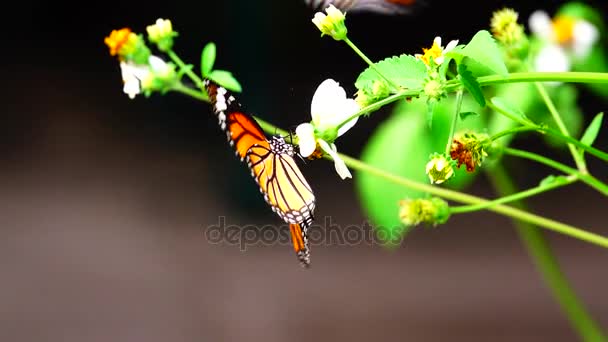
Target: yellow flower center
x=563 y=27
x=435 y=51
x=117 y=39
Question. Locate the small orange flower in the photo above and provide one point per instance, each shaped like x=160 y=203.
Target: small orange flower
x=117 y=39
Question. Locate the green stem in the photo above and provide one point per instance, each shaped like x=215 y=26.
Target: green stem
x=585 y=177
x=589 y=149
x=377 y=105
x=541 y=128
x=514 y=197
x=448 y=146
x=183 y=67
x=580 y=163
x=516 y=77
x=545 y=262
x=369 y=62
x=197 y=94
x=513 y=116
x=512 y=131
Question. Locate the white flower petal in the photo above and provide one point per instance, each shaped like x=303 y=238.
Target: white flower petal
x=157 y=64
x=339 y=164
x=552 y=58
x=131 y=77
x=306 y=139
x=326 y=100
x=585 y=35
x=437 y=41
x=540 y=24
x=451 y=45
x=350 y=108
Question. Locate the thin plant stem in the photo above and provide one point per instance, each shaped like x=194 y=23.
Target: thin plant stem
x=454 y=122
x=547 y=265
x=580 y=163
x=518 y=77
x=188 y=71
x=369 y=62
x=585 y=177
x=514 y=196
x=197 y=94
x=514 y=117
x=512 y=131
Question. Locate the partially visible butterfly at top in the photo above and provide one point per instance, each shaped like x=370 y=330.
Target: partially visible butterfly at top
x=388 y=7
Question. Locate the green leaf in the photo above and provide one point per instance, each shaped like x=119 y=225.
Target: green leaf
x=405 y=71
x=225 y=79
x=464 y=115
x=484 y=55
x=208 y=58
x=471 y=85
x=592 y=131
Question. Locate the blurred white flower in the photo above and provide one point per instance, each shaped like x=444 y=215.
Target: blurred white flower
x=564 y=38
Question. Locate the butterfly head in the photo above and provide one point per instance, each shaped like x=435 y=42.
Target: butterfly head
x=280 y=146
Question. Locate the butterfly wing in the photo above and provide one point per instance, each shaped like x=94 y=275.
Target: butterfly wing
x=388 y=7
x=242 y=131
x=272 y=166
x=286 y=191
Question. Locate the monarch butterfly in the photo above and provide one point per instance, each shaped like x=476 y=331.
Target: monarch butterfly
x=272 y=165
x=377 y=6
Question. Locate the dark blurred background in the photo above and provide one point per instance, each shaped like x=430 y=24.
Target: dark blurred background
x=104 y=200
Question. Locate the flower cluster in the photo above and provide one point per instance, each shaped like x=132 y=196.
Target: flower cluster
x=141 y=71
x=433 y=211
x=469 y=149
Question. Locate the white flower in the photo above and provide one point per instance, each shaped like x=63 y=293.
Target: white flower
x=436 y=51
x=329 y=109
x=132 y=75
x=149 y=77
x=564 y=38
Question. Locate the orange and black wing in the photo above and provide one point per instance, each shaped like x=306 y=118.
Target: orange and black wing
x=241 y=129
x=285 y=189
